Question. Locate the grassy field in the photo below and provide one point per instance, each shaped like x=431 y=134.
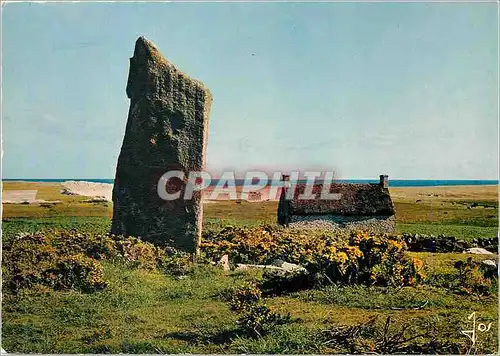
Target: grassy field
x=427 y=210
x=143 y=311
x=148 y=312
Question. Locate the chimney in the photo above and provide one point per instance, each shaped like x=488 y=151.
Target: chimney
x=384 y=181
x=284 y=178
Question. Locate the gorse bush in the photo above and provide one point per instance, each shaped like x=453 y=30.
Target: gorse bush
x=362 y=258
x=71 y=261
x=244 y=296
x=140 y=254
x=264 y=244
x=256 y=319
x=471 y=278
x=175 y=262
x=94 y=246
x=383 y=260
x=40 y=262
x=76 y=272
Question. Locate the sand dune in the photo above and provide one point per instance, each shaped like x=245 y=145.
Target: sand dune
x=88 y=189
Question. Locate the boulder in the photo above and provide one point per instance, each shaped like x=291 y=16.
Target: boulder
x=244 y=266
x=478 y=251
x=289 y=267
x=166 y=130
x=490 y=263
x=224 y=262
x=491 y=269
x=278 y=266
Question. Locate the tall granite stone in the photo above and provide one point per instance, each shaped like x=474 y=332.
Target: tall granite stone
x=166 y=130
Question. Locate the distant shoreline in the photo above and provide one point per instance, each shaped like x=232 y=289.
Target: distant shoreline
x=400 y=183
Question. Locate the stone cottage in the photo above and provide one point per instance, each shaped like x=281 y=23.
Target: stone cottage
x=358 y=207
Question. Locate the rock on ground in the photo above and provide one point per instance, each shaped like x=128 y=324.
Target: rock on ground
x=166 y=130
x=278 y=266
x=224 y=262
x=490 y=263
x=478 y=251
x=244 y=266
x=289 y=267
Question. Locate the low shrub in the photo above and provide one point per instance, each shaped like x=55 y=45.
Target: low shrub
x=256 y=319
x=94 y=246
x=471 y=278
x=176 y=263
x=373 y=338
x=77 y=272
x=382 y=260
x=68 y=260
x=264 y=244
x=362 y=258
x=139 y=254
x=241 y=298
x=36 y=263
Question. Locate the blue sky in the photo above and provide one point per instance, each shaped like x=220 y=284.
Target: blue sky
x=409 y=89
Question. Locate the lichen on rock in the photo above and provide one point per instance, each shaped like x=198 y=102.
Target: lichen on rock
x=166 y=130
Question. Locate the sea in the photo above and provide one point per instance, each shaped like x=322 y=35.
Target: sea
x=392 y=182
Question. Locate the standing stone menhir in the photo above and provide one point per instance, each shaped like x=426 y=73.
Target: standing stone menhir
x=166 y=130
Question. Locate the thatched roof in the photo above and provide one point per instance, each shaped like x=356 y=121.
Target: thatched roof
x=355 y=199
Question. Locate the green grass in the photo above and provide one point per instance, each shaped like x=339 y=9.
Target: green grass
x=138 y=308
x=70 y=205
x=101 y=225
x=445 y=213
x=75 y=208
x=148 y=312
x=83 y=224
x=241 y=210
x=438 y=216
x=45 y=190
x=460 y=231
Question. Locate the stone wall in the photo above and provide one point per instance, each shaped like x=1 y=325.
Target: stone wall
x=378 y=224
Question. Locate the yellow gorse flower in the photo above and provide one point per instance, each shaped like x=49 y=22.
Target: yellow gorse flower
x=368 y=256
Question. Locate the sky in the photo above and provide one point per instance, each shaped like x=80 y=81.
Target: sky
x=362 y=89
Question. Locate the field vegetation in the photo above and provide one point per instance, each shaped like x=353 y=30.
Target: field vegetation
x=451 y=211
x=68 y=287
